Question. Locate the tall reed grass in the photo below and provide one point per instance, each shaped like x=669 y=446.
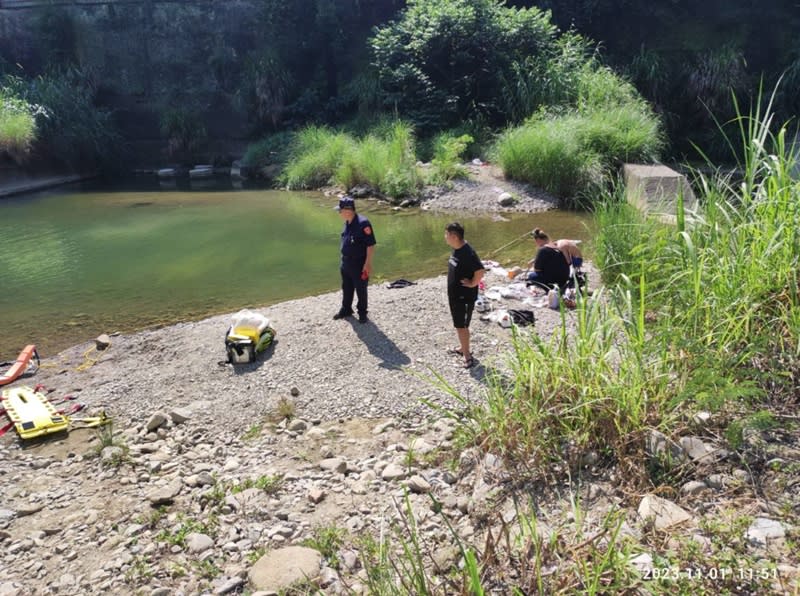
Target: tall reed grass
x=385 y=159
x=702 y=314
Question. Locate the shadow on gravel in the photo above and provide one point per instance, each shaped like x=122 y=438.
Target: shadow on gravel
x=478 y=372
x=379 y=344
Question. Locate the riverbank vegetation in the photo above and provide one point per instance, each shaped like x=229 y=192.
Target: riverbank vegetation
x=573 y=145
x=17 y=125
x=63 y=127
x=460 y=67
x=702 y=316
x=573 y=120
x=385 y=159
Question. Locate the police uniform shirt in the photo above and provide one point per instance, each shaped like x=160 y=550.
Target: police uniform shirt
x=462 y=264
x=356 y=237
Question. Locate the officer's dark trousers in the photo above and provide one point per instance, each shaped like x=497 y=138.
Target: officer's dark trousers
x=352 y=282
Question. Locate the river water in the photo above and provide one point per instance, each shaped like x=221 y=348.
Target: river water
x=86 y=260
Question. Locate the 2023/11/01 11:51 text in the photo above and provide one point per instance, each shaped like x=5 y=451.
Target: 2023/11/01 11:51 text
x=711 y=573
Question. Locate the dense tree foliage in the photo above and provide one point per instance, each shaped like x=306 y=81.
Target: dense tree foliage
x=449 y=61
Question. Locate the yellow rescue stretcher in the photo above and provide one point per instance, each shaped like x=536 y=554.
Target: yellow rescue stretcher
x=34 y=416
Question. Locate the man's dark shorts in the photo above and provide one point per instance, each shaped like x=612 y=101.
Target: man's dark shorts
x=461 y=311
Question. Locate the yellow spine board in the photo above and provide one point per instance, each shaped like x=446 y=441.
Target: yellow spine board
x=31 y=413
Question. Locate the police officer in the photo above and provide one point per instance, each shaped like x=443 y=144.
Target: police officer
x=358 y=246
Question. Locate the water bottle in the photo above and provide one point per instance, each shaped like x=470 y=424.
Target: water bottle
x=553 y=299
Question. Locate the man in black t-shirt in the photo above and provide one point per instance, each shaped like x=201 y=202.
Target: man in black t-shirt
x=464 y=275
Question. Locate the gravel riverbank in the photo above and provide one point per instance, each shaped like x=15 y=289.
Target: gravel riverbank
x=208 y=487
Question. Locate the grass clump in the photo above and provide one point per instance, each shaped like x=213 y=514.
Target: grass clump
x=106 y=438
x=447 y=152
x=315 y=156
x=285 y=409
x=184 y=526
x=384 y=159
x=571 y=147
x=253 y=432
x=17 y=125
x=270 y=484
x=546 y=152
x=327 y=540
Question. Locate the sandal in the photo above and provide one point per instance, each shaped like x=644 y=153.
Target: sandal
x=455 y=351
x=470 y=362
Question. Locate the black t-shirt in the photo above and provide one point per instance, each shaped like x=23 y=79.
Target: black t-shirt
x=551 y=266
x=463 y=264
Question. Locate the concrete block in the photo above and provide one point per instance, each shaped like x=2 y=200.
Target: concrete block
x=655 y=189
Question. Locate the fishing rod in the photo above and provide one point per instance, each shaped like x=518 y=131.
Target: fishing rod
x=514 y=241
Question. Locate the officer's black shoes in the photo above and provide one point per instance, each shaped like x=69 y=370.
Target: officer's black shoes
x=342 y=314
x=363 y=319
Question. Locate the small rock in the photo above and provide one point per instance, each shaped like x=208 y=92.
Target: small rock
x=718 y=481
x=102 y=341
x=505 y=200
x=165 y=494
x=155 y=421
x=111 y=454
x=659 y=446
x=662 y=512
x=762 y=530
x=693 y=487
x=643 y=562
x=334 y=464
x=297 y=425
x=393 y=472
x=383 y=427
x=180 y=415
x=198 y=543
x=316 y=495
x=417 y=484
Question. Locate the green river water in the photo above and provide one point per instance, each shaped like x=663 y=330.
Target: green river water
x=75 y=263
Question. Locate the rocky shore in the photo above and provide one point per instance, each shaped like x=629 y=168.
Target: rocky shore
x=284 y=474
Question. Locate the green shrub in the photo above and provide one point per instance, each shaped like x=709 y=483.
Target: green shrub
x=625 y=133
x=447 y=152
x=547 y=152
x=384 y=159
x=316 y=154
x=17 y=126
x=598 y=88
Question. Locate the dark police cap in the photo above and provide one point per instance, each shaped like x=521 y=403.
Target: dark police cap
x=347 y=203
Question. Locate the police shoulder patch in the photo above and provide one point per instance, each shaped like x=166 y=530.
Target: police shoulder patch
x=368 y=230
